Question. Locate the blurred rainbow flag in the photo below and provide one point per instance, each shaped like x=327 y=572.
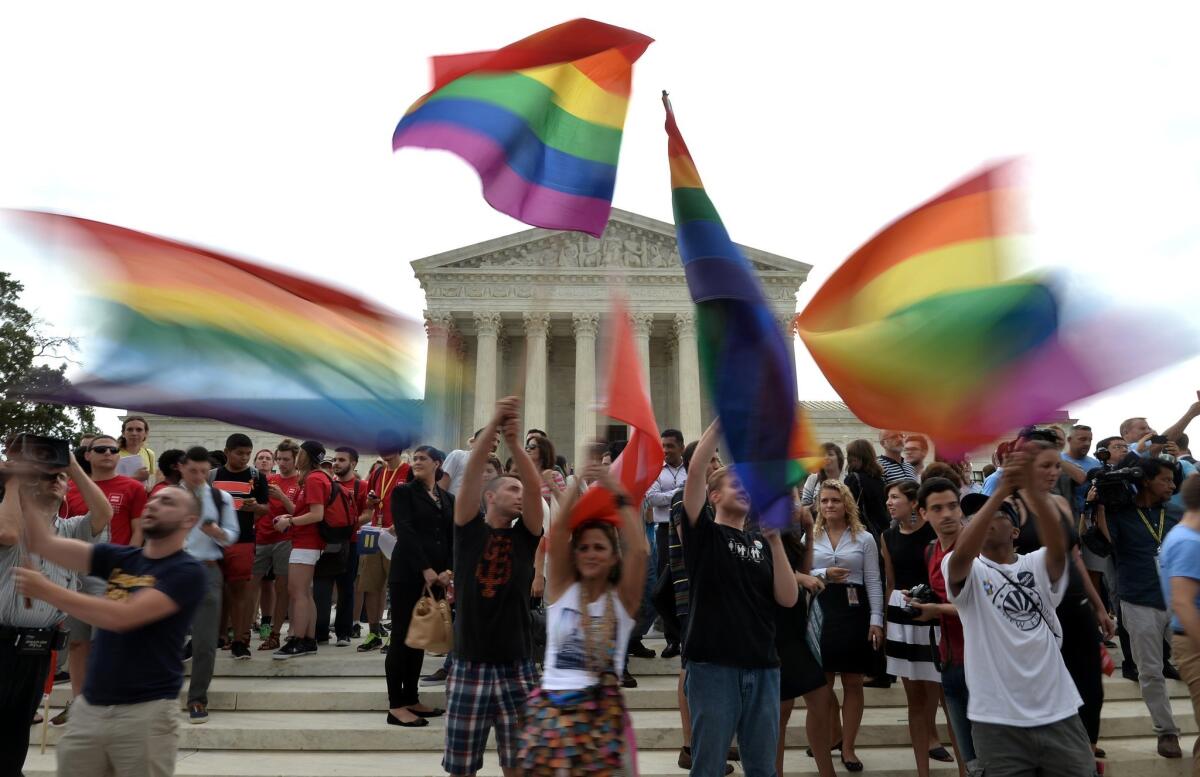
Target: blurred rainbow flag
x=928 y=328
x=540 y=120
x=745 y=362
x=185 y=331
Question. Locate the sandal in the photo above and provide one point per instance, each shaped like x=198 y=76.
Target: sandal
x=940 y=753
x=270 y=643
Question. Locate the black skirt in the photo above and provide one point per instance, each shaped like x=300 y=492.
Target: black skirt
x=844 y=645
x=799 y=670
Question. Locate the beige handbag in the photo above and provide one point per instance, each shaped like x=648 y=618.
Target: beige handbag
x=431 y=627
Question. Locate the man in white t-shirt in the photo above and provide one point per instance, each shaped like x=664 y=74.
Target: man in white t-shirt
x=456 y=464
x=1023 y=704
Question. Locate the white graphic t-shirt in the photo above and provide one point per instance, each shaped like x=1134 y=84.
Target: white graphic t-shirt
x=566 y=666
x=1015 y=672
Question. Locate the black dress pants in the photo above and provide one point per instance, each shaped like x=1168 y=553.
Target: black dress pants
x=403 y=665
x=22 y=679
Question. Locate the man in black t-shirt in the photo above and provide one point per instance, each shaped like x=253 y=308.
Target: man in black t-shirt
x=493 y=671
x=735 y=579
x=126 y=719
x=251 y=498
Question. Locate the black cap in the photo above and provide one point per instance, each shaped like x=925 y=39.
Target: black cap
x=315 y=451
x=971 y=503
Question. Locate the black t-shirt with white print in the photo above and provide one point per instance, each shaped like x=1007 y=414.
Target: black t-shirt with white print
x=493 y=572
x=732 y=589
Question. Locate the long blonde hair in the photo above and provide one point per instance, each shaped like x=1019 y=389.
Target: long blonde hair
x=848 y=502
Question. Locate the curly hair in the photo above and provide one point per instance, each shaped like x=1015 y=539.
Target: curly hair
x=848 y=501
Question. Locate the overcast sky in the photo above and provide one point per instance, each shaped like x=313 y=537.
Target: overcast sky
x=264 y=129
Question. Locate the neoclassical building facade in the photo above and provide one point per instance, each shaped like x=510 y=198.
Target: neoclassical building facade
x=525 y=314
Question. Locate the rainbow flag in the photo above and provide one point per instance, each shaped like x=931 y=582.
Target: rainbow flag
x=745 y=362
x=928 y=328
x=540 y=120
x=184 y=331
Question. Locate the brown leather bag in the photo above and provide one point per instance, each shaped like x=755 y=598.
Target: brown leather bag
x=431 y=627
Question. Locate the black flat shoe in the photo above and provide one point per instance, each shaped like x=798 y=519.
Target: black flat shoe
x=436 y=712
x=940 y=753
x=852 y=766
x=395 y=721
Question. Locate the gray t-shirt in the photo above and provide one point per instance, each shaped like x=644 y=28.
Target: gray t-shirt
x=455 y=466
x=41 y=615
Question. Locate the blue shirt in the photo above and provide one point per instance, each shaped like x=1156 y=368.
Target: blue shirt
x=993 y=480
x=1136 y=546
x=1087 y=464
x=146 y=663
x=1180 y=557
x=199 y=545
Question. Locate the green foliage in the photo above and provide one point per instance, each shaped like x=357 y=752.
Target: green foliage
x=22 y=344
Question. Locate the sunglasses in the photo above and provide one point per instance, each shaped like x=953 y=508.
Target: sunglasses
x=104 y=449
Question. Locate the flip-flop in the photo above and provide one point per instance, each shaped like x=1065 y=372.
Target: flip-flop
x=940 y=753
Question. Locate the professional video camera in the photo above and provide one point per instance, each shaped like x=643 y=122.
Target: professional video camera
x=1117 y=487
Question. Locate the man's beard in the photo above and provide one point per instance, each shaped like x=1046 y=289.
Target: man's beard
x=157 y=531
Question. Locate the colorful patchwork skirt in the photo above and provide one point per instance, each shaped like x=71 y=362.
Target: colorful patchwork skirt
x=576 y=732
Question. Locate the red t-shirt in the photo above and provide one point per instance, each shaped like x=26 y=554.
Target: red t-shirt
x=159 y=486
x=264 y=529
x=357 y=490
x=383 y=482
x=952 y=647
x=127 y=497
x=315 y=491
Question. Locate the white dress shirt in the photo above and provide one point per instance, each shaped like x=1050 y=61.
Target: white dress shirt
x=858 y=553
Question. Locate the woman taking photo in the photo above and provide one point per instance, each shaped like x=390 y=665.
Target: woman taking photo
x=832 y=469
x=423 y=521
x=864 y=477
x=846 y=557
x=576 y=721
x=910 y=643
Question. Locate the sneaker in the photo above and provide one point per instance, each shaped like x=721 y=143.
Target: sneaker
x=1171 y=673
x=343 y=642
x=240 y=652
x=197 y=712
x=372 y=642
x=671 y=650
x=356 y=631
x=310 y=645
x=384 y=629
x=292 y=648
x=628 y=680
x=638 y=650
x=60 y=719
x=264 y=631
x=1168 y=746
x=62 y=677
x=437 y=678
x=387 y=643
x=1129 y=672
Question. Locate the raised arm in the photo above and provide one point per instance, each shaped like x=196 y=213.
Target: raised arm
x=99 y=508
x=558 y=544
x=1049 y=528
x=970 y=543
x=1176 y=429
x=694 y=490
x=72 y=554
x=532 y=507
x=145 y=606
x=466 y=509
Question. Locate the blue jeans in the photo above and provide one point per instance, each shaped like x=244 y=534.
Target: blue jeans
x=728 y=700
x=954 y=685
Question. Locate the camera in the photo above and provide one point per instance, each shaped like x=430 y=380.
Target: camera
x=1159 y=439
x=1103 y=455
x=919 y=594
x=44 y=452
x=1117 y=487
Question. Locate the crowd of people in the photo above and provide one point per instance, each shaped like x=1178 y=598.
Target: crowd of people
x=994 y=601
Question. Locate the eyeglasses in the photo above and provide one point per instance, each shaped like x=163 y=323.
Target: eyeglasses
x=104 y=449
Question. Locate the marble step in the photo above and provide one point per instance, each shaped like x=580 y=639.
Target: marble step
x=1127 y=757
x=367 y=693
x=656 y=729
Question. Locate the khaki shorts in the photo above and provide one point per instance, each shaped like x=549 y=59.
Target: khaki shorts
x=136 y=739
x=373 y=570
x=272 y=558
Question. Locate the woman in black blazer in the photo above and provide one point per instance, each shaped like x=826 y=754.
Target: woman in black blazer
x=423 y=520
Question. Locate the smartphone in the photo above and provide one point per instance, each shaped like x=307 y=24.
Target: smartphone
x=1158 y=439
x=45 y=452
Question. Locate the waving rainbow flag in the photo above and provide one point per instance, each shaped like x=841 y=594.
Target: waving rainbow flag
x=184 y=331
x=927 y=327
x=745 y=362
x=540 y=120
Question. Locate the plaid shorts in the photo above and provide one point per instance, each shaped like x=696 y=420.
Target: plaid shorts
x=480 y=696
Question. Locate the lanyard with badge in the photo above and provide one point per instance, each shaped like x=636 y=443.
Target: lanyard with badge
x=387 y=489
x=1158 y=536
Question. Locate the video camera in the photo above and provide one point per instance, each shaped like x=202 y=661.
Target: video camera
x=1117 y=487
x=47 y=454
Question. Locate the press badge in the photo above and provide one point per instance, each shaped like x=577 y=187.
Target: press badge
x=852 y=596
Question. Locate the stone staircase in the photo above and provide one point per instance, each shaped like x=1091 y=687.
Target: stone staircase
x=324 y=715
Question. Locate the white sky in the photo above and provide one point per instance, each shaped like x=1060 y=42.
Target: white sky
x=264 y=129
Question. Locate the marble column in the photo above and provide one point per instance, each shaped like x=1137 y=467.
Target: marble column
x=437 y=330
x=536 y=327
x=454 y=396
x=689 y=377
x=585 y=326
x=643 y=323
x=487 y=326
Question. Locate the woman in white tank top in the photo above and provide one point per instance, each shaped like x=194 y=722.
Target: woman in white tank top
x=597 y=569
